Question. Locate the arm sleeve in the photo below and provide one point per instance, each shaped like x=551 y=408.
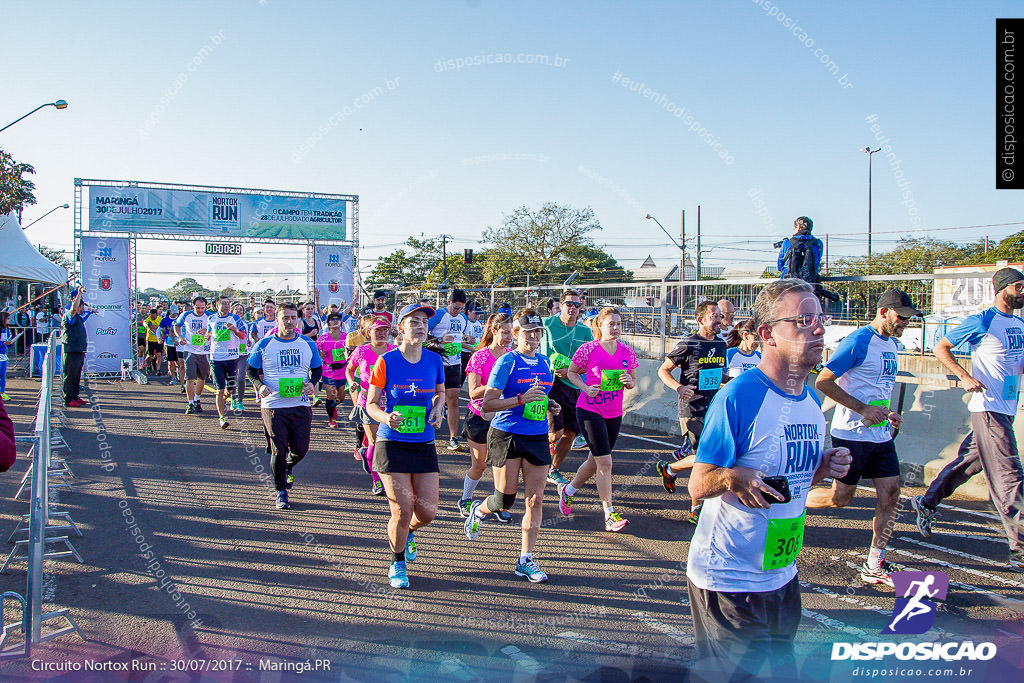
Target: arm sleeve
x=379 y=376
x=728 y=424
x=252 y=372
x=435 y=320
x=316 y=373
x=850 y=353
x=971 y=330
x=582 y=355
x=783 y=252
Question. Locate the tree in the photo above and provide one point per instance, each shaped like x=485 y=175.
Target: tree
x=16 y=191
x=393 y=269
x=186 y=288
x=911 y=255
x=57 y=256
x=1009 y=249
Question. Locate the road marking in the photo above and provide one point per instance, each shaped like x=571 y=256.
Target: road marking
x=623 y=649
x=649 y=440
x=966 y=556
x=528 y=663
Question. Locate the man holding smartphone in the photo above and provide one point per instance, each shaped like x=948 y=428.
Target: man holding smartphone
x=741 y=569
x=860 y=377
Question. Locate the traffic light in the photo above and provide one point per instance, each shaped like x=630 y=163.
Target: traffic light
x=467 y=255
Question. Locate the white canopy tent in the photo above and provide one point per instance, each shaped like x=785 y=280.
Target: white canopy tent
x=19 y=260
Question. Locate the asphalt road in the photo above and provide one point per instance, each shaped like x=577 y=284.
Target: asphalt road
x=272 y=589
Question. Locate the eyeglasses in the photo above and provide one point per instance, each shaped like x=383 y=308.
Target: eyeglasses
x=806 y=320
x=571 y=303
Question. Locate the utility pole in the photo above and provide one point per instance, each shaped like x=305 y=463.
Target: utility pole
x=870 y=152
x=698 y=243
x=826 y=252
x=444 y=257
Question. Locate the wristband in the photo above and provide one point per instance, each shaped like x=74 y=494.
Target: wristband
x=519 y=399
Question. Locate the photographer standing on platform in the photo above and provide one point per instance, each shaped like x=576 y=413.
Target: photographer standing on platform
x=800 y=257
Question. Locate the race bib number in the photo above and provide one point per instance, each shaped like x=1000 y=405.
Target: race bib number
x=414 y=419
x=452 y=349
x=198 y=339
x=881 y=403
x=785 y=538
x=142 y=330
x=709 y=379
x=1011 y=388
x=611 y=380
x=337 y=355
x=536 y=410
x=560 y=361
x=241 y=347
x=290 y=387
x=222 y=335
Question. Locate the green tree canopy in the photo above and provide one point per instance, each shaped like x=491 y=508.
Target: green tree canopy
x=186 y=288
x=16 y=190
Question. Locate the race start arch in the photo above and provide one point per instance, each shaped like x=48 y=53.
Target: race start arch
x=110 y=215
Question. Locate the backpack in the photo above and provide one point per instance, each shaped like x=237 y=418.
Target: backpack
x=800 y=261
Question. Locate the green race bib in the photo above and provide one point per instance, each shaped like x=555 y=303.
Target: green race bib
x=222 y=335
x=414 y=419
x=452 y=348
x=559 y=361
x=881 y=403
x=241 y=347
x=611 y=380
x=142 y=330
x=337 y=355
x=198 y=340
x=290 y=387
x=785 y=538
x=536 y=410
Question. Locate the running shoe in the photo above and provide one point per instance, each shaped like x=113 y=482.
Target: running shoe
x=684 y=450
x=82 y=401
x=172 y=382
x=473 y=521
x=377 y=488
x=316 y=401
x=531 y=571
x=564 y=501
x=464 y=506
x=199 y=406
x=668 y=482
x=579 y=443
x=5 y=396
x=1016 y=560
x=503 y=516
x=331 y=424
x=694 y=515
x=282 y=501
x=925 y=515
x=410 y=549
x=397 y=576
x=556 y=477
x=189 y=408
x=880 y=575
x=453 y=444
x=223 y=423
x=615 y=522
x=362 y=459
x=183 y=387
x=289 y=478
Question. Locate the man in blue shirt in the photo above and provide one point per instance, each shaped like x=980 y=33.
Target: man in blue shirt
x=75 y=343
x=996 y=339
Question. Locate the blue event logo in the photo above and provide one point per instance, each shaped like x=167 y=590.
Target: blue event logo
x=914 y=613
x=104 y=252
x=332 y=258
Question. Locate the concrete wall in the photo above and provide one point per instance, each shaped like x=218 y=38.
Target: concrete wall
x=935 y=420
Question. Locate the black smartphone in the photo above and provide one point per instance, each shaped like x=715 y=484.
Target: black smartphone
x=781 y=485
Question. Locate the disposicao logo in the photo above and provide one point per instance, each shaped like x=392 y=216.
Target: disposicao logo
x=914 y=613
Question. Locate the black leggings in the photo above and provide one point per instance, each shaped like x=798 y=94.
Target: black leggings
x=600 y=432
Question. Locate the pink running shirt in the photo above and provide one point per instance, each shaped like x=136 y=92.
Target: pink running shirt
x=481 y=362
x=595 y=363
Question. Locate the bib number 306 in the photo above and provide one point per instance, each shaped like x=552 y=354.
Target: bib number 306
x=784 y=539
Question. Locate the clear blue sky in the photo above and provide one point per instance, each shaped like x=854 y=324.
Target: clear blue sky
x=451 y=150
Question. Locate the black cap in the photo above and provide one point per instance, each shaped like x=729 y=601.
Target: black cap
x=380 y=294
x=899 y=301
x=1005 y=277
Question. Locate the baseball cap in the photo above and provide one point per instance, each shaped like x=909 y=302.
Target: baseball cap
x=1005 y=277
x=379 y=322
x=412 y=308
x=899 y=301
x=528 y=322
x=380 y=294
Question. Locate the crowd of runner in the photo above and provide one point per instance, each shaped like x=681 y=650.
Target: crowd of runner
x=753 y=432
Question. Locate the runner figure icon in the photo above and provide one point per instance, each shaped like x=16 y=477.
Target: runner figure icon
x=914 y=613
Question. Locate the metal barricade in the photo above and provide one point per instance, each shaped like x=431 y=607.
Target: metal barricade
x=42 y=467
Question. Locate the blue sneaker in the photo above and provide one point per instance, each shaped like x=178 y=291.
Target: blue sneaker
x=396 y=575
x=410 y=549
x=473 y=521
x=531 y=571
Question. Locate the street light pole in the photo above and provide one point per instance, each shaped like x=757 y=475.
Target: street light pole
x=869 y=152
x=26 y=227
x=59 y=104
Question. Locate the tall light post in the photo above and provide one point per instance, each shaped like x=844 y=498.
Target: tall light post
x=59 y=104
x=62 y=206
x=870 y=152
x=682 y=254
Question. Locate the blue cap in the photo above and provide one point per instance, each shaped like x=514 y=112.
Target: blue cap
x=412 y=308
